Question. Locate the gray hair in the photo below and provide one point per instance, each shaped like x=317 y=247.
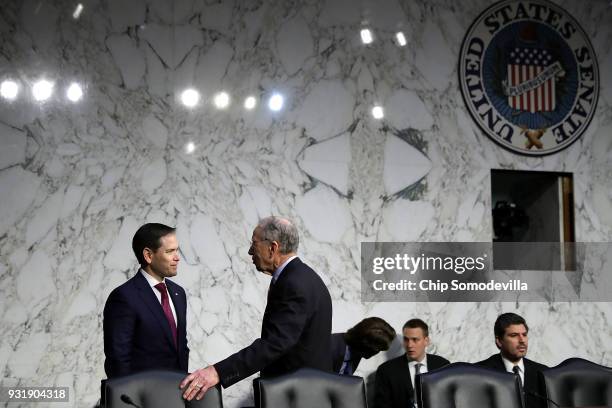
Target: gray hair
x=282 y=231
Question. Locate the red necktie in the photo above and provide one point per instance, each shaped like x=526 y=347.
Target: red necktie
x=165 y=302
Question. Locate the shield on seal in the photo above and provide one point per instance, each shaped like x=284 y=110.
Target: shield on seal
x=532 y=92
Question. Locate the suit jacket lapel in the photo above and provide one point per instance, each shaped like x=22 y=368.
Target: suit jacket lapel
x=528 y=373
x=149 y=299
x=500 y=363
x=283 y=276
x=270 y=291
x=287 y=270
x=404 y=375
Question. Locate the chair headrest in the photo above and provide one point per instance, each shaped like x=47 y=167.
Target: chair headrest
x=308 y=387
x=155 y=389
x=467 y=385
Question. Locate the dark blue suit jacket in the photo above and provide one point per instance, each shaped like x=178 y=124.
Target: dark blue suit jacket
x=295 y=332
x=532 y=381
x=393 y=385
x=137 y=335
x=338 y=350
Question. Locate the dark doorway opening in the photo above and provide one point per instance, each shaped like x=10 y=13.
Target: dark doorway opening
x=532 y=207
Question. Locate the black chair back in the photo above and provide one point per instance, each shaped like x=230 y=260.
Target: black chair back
x=155 y=389
x=309 y=388
x=578 y=383
x=463 y=385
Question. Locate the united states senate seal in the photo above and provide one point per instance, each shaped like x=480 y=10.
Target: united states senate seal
x=529 y=76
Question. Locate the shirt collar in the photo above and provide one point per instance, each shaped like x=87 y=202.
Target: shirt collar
x=279 y=270
x=509 y=365
x=152 y=281
x=412 y=363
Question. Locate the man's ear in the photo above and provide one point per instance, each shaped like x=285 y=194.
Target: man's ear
x=147 y=255
x=498 y=343
x=426 y=341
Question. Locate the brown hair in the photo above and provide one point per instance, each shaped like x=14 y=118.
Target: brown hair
x=371 y=335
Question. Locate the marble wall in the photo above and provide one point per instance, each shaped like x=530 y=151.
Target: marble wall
x=77 y=179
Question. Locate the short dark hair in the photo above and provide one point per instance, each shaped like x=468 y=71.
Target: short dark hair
x=504 y=321
x=371 y=335
x=149 y=236
x=417 y=324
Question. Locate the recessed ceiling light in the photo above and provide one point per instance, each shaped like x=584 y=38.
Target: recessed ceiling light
x=222 y=100
x=377 y=112
x=366 y=36
x=401 y=39
x=190 y=97
x=276 y=102
x=42 y=90
x=250 y=102
x=77 y=11
x=74 y=92
x=9 y=89
x=190 y=147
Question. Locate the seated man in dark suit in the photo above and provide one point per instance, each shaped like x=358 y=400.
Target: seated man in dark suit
x=395 y=378
x=296 y=326
x=511 y=338
x=145 y=318
x=364 y=340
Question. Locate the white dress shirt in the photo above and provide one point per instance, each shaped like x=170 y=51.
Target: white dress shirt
x=510 y=365
x=152 y=281
x=412 y=368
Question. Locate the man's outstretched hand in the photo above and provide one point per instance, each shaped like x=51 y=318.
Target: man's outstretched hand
x=197 y=383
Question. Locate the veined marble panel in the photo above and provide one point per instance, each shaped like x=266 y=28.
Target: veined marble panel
x=76 y=180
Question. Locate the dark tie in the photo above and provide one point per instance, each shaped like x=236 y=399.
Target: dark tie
x=417 y=371
x=347 y=367
x=165 y=302
x=516 y=370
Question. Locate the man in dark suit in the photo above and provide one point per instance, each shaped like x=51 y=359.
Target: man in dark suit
x=511 y=338
x=364 y=340
x=395 y=378
x=145 y=318
x=296 y=327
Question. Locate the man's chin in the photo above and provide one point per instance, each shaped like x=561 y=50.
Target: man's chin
x=516 y=357
x=262 y=270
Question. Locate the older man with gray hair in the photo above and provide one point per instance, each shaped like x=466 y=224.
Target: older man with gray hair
x=296 y=327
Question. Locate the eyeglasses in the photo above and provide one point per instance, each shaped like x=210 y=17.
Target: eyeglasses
x=252 y=243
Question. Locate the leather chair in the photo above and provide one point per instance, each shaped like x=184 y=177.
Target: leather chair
x=463 y=385
x=155 y=389
x=578 y=383
x=309 y=388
